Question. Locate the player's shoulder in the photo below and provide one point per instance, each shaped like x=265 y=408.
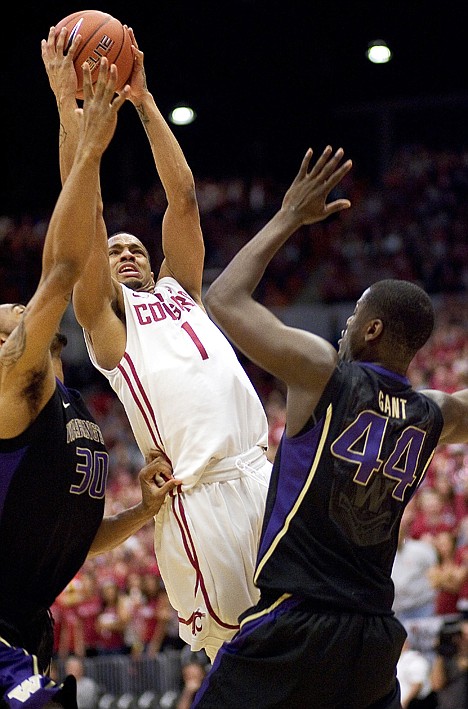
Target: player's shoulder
x=454 y=410
x=445 y=401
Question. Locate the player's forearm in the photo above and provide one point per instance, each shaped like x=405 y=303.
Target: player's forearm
x=172 y=167
x=68 y=135
x=64 y=243
x=116 y=529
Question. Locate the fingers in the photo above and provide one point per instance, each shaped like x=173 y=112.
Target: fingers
x=132 y=36
x=169 y=485
x=87 y=82
x=59 y=40
x=62 y=43
x=106 y=81
x=156 y=454
x=337 y=206
x=105 y=86
x=152 y=455
x=305 y=163
x=157 y=467
x=337 y=175
x=321 y=162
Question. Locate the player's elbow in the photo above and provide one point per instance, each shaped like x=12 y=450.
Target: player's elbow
x=65 y=274
x=185 y=200
x=211 y=301
x=218 y=301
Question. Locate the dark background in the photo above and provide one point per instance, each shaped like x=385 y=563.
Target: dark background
x=267 y=80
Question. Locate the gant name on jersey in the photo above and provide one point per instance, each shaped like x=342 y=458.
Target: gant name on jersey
x=392 y=406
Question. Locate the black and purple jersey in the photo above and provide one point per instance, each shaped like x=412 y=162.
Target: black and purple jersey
x=339 y=488
x=52 y=485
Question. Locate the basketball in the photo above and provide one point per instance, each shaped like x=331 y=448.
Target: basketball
x=101 y=36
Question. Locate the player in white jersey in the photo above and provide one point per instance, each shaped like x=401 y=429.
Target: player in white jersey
x=178 y=378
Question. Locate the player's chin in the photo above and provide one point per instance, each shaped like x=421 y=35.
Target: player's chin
x=132 y=282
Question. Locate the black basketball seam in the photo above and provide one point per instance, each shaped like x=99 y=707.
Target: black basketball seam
x=93 y=35
x=122 y=44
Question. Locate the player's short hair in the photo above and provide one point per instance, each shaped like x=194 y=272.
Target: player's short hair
x=406 y=311
x=126 y=233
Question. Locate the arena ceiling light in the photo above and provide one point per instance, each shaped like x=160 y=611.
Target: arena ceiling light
x=182 y=115
x=378 y=52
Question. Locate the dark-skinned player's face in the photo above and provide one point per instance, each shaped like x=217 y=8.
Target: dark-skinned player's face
x=129 y=262
x=352 y=340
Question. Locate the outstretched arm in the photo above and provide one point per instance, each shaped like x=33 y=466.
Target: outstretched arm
x=116 y=529
x=454 y=409
x=63 y=82
x=302 y=360
x=95 y=291
x=25 y=355
x=182 y=239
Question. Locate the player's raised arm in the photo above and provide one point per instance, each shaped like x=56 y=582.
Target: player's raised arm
x=25 y=352
x=182 y=238
x=95 y=291
x=293 y=355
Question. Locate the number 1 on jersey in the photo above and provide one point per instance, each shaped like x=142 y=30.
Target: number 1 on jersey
x=194 y=337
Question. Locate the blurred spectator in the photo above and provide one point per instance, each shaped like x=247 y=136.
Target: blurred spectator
x=443 y=482
x=88 y=609
x=112 y=621
x=194 y=667
x=414 y=594
x=461 y=556
x=155 y=615
x=433 y=515
x=414 y=676
x=135 y=602
x=69 y=637
x=458 y=457
x=448 y=575
x=88 y=691
x=449 y=674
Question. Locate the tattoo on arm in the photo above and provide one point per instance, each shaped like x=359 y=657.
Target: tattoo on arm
x=143 y=117
x=62 y=134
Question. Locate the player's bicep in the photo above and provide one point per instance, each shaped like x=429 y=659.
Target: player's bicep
x=183 y=248
x=94 y=291
x=297 y=357
x=454 y=408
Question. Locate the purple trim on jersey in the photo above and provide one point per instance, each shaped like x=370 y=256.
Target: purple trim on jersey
x=21 y=685
x=137 y=399
x=292 y=477
x=9 y=463
x=233 y=646
x=385 y=372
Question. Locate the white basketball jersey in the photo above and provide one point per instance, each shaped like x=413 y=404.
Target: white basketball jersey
x=181 y=384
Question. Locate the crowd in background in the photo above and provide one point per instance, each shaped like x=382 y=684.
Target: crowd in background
x=413 y=225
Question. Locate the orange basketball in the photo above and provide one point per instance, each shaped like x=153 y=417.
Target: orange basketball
x=101 y=36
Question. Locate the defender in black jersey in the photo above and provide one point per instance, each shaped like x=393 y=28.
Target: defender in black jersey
x=357 y=444
x=53 y=460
